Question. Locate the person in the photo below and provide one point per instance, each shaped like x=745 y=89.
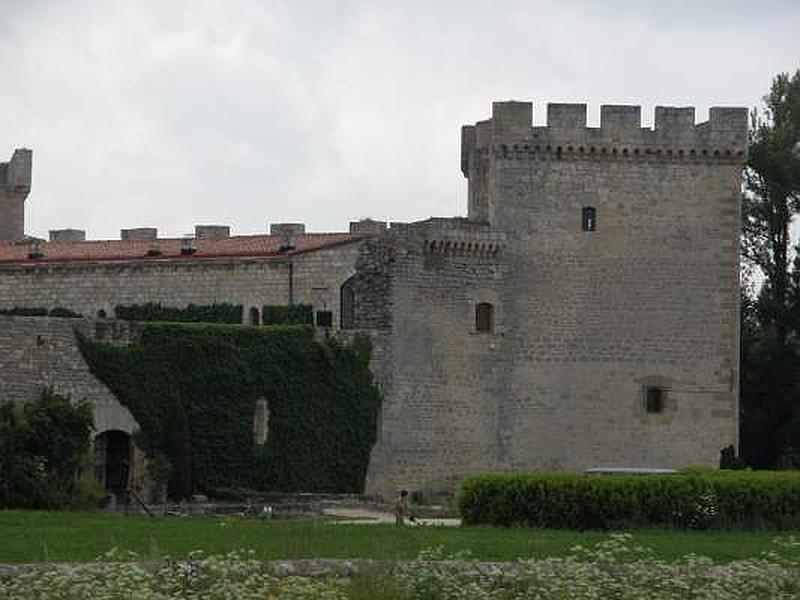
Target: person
x=401 y=508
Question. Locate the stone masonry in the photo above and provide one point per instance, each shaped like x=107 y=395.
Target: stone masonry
x=15 y=184
x=583 y=314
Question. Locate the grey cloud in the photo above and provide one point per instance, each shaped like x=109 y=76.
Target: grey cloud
x=243 y=112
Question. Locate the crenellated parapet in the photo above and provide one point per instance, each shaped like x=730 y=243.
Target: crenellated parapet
x=451 y=236
x=674 y=136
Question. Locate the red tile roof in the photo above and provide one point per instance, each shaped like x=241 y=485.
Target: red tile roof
x=242 y=246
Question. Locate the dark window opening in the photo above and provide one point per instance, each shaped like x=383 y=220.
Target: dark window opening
x=347 y=300
x=483 y=317
x=654 y=399
x=324 y=318
x=589 y=217
x=255 y=317
x=101 y=314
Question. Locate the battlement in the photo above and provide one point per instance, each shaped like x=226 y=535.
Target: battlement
x=452 y=236
x=675 y=135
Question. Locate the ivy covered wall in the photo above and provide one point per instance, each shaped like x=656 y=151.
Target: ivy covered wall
x=193 y=389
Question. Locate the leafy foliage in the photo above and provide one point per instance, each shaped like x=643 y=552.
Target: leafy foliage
x=695 y=498
x=214 y=313
x=193 y=390
x=294 y=314
x=42 y=446
x=617 y=567
x=58 y=311
x=770 y=388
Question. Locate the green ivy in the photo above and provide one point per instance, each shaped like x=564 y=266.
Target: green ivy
x=58 y=311
x=193 y=390
x=153 y=311
x=294 y=314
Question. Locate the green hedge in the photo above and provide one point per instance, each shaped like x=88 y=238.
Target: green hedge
x=193 y=390
x=295 y=314
x=58 y=311
x=214 y=313
x=698 y=498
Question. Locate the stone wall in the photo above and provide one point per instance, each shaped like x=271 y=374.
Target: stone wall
x=15 y=184
x=440 y=379
x=585 y=320
x=42 y=352
x=89 y=287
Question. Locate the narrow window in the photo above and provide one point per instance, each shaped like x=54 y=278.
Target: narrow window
x=347 y=300
x=255 y=318
x=483 y=317
x=324 y=318
x=654 y=399
x=589 y=217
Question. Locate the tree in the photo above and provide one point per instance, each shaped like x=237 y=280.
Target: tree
x=773 y=199
x=42 y=446
x=770 y=415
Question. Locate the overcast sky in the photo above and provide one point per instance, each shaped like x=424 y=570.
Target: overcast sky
x=170 y=113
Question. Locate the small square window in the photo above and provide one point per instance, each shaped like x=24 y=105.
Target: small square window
x=654 y=399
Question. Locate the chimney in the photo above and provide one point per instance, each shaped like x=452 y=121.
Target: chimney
x=138 y=234
x=212 y=232
x=35 y=250
x=67 y=235
x=188 y=245
x=288 y=233
x=367 y=227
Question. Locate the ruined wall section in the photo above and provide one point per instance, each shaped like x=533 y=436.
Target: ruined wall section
x=648 y=298
x=15 y=185
x=439 y=418
x=41 y=352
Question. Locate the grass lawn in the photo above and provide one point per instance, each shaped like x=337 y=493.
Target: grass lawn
x=33 y=536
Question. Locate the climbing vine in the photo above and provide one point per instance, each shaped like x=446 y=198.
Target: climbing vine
x=193 y=390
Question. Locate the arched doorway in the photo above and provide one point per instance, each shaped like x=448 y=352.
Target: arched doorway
x=112 y=460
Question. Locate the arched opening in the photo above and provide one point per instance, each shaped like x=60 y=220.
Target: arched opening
x=255 y=317
x=484 y=316
x=101 y=314
x=347 y=299
x=112 y=460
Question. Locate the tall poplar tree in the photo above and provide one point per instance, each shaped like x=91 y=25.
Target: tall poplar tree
x=770 y=390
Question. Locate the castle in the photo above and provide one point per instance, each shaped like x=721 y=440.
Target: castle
x=583 y=314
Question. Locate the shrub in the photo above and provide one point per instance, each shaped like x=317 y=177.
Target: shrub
x=294 y=314
x=64 y=313
x=58 y=311
x=694 y=498
x=214 y=313
x=19 y=311
x=42 y=447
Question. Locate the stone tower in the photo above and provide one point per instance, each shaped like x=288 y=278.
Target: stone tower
x=15 y=184
x=585 y=314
